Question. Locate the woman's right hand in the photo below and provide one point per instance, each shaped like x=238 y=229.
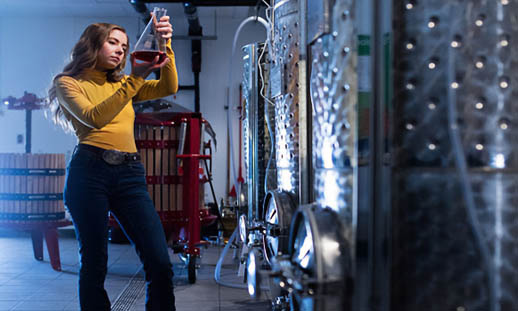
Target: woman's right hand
x=145 y=68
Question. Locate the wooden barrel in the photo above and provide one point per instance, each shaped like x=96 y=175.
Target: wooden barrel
x=158 y=146
x=31 y=187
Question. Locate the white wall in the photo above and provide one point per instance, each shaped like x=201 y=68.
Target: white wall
x=33 y=49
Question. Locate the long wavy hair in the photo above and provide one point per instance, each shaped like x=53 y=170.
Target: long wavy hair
x=84 y=56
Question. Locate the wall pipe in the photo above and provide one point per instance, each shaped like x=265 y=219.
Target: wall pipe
x=142 y=9
x=195 y=29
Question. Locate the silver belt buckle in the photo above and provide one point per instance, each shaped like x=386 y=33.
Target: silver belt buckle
x=113 y=157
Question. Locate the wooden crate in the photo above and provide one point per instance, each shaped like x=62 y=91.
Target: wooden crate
x=158 y=146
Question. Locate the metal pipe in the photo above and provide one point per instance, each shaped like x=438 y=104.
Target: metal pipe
x=192 y=17
x=195 y=29
x=305 y=116
x=186 y=87
x=28 y=130
x=196 y=92
x=142 y=9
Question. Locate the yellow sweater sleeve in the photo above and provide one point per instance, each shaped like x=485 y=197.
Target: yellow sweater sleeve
x=95 y=115
x=167 y=85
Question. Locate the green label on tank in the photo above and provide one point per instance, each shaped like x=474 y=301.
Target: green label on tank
x=364 y=45
x=364 y=94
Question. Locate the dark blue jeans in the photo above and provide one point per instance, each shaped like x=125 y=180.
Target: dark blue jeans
x=94 y=187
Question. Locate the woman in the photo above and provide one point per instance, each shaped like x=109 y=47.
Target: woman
x=93 y=98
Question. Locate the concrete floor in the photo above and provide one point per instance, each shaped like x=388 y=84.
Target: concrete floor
x=27 y=284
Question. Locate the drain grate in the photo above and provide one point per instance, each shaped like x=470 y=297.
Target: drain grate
x=131 y=293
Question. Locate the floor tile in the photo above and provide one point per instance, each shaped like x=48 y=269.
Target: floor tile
x=30 y=285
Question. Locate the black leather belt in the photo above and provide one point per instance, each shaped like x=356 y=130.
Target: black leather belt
x=109 y=156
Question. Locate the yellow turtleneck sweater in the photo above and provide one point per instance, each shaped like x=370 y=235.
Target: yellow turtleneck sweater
x=101 y=112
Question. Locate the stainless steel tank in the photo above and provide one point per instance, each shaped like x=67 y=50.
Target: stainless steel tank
x=257 y=143
x=281 y=202
x=281 y=111
x=333 y=93
x=453 y=239
x=284 y=91
x=317 y=271
x=413 y=155
x=334 y=87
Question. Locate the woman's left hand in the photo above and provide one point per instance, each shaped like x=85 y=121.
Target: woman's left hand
x=163 y=27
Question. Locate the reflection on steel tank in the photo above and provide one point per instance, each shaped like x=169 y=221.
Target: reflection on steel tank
x=322 y=234
x=334 y=98
x=455 y=56
x=284 y=89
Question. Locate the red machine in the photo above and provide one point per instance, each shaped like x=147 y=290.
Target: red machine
x=171 y=148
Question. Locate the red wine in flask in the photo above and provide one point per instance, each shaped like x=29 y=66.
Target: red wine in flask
x=149 y=56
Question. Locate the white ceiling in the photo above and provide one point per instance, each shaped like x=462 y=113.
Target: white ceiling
x=102 y=8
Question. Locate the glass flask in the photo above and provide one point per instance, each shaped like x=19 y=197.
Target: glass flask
x=149 y=45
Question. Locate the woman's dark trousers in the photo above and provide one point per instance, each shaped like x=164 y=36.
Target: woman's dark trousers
x=94 y=187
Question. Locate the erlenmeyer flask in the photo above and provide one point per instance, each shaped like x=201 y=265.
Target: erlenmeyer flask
x=149 y=45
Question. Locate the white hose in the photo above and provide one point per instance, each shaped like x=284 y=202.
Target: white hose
x=229 y=119
x=217 y=270
x=467 y=192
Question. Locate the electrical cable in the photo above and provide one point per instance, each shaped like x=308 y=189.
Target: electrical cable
x=267 y=43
